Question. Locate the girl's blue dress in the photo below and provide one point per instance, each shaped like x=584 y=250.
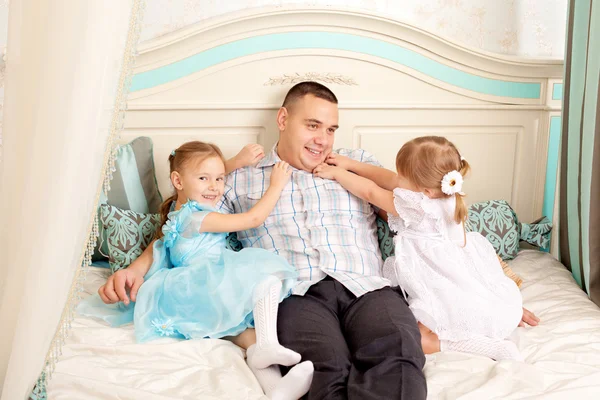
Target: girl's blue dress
x=196 y=287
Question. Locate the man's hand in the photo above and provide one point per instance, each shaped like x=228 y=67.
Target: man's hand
x=529 y=318
x=326 y=171
x=118 y=284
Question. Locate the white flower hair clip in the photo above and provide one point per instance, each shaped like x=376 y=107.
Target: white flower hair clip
x=452 y=183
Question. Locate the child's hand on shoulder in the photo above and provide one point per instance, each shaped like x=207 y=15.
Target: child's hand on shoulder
x=280 y=175
x=339 y=161
x=326 y=171
x=250 y=155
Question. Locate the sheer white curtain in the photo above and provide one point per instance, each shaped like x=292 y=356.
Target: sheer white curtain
x=63 y=66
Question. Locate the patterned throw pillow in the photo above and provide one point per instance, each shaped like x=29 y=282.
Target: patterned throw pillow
x=537 y=233
x=128 y=234
x=232 y=242
x=498 y=223
x=385 y=237
x=133 y=186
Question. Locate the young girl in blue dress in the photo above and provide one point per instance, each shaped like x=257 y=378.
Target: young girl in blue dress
x=197 y=288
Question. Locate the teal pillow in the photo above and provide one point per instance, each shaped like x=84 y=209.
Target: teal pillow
x=232 y=242
x=386 y=238
x=133 y=186
x=128 y=234
x=537 y=233
x=498 y=223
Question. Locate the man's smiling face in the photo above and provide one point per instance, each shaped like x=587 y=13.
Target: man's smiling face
x=307 y=131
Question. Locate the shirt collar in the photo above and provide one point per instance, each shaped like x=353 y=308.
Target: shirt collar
x=270 y=159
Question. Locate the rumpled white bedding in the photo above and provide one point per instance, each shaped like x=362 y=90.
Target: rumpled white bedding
x=562 y=355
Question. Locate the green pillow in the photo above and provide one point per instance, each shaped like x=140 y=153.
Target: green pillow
x=133 y=186
x=128 y=234
x=386 y=238
x=232 y=242
x=498 y=223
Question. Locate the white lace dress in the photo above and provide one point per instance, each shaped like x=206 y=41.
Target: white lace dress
x=458 y=292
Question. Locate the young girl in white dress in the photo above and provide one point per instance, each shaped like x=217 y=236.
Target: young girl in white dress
x=455 y=284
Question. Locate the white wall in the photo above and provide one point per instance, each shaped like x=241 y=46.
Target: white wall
x=531 y=28
x=519 y=27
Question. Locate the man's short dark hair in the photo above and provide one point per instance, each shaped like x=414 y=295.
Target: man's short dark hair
x=302 y=89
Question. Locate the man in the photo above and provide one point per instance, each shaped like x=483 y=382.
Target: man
x=343 y=316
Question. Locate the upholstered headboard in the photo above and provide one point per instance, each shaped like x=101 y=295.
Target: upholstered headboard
x=224 y=80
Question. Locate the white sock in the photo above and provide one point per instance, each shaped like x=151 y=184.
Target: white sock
x=495 y=349
x=291 y=387
x=295 y=383
x=268 y=378
x=268 y=351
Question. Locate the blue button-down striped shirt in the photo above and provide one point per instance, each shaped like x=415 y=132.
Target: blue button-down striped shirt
x=317 y=225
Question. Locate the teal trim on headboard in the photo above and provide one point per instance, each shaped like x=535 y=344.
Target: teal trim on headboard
x=552 y=166
x=557 y=91
x=334 y=41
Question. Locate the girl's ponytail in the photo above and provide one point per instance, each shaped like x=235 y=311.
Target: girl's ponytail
x=461 y=213
x=165 y=208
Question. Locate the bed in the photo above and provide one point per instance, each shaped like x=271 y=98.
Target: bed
x=223 y=81
x=562 y=355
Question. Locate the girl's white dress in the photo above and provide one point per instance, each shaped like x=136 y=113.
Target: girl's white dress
x=458 y=292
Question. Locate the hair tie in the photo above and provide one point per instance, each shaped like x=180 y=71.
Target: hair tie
x=452 y=183
x=173 y=153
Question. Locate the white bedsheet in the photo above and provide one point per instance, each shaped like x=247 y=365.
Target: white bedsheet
x=562 y=355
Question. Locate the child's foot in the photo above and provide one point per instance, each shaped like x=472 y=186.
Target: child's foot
x=274 y=354
x=507 y=350
x=429 y=340
x=295 y=383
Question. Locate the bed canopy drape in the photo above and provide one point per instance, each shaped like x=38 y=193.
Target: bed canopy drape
x=579 y=217
x=66 y=79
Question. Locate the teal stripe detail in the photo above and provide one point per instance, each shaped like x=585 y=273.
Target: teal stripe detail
x=333 y=41
x=576 y=90
x=552 y=167
x=134 y=189
x=557 y=91
x=590 y=108
x=101 y=264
